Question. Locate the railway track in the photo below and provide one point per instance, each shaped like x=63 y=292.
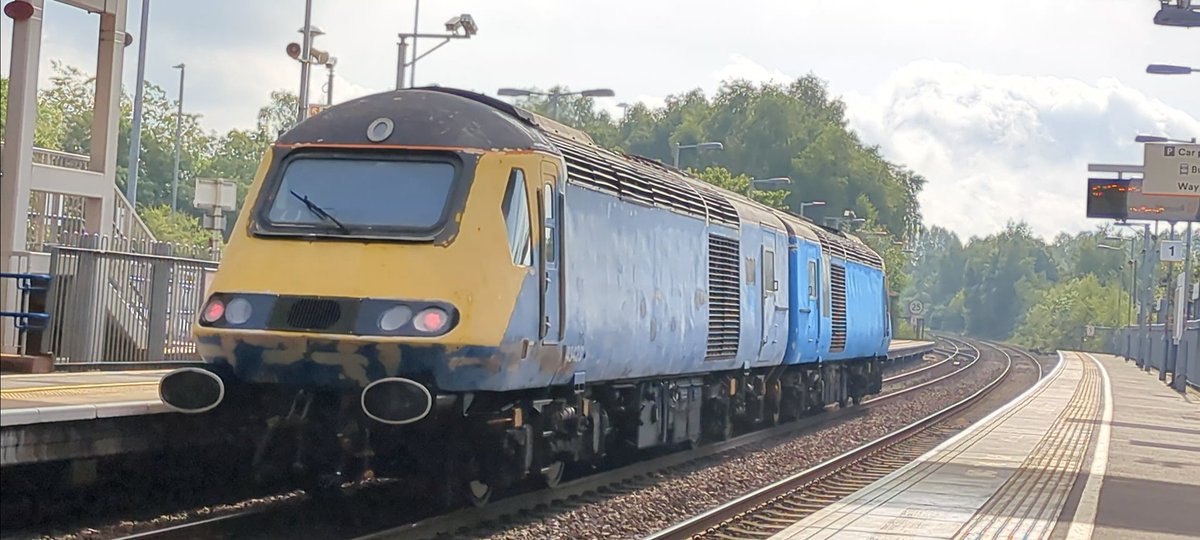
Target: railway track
x=473 y=521
x=764 y=512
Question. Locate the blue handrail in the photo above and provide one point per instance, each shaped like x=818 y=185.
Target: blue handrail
x=28 y=283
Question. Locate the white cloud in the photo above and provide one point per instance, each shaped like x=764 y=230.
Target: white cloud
x=741 y=67
x=1000 y=147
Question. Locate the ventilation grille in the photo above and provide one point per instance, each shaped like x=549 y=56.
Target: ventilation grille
x=837 y=245
x=724 y=299
x=640 y=180
x=837 y=278
x=309 y=314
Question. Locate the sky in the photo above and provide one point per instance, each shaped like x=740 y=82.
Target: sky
x=1000 y=105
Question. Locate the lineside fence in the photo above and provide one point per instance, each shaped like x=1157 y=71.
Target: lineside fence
x=100 y=306
x=1156 y=353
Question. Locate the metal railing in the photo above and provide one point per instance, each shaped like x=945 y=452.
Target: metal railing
x=1156 y=353
x=31 y=317
x=108 y=306
x=58 y=158
x=127 y=224
x=56 y=218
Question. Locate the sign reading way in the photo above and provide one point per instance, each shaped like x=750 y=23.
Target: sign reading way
x=1171 y=169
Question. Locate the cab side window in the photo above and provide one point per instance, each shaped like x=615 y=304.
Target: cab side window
x=812 y=280
x=516 y=217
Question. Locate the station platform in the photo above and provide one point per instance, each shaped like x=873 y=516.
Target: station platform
x=901 y=349
x=1097 y=449
x=61 y=397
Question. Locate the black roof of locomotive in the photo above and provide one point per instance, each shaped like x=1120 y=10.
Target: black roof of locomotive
x=423 y=117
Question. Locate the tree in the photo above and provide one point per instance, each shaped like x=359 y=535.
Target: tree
x=175 y=227
x=722 y=178
x=279 y=115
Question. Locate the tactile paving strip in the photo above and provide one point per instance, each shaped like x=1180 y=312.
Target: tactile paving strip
x=1028 y=504
x=89 y=390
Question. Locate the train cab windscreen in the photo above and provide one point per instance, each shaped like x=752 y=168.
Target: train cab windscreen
x=344 y=194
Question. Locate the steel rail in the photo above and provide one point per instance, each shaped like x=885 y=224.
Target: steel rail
x=712 y=519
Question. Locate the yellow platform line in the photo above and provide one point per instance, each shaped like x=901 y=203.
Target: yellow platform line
x=59 y=388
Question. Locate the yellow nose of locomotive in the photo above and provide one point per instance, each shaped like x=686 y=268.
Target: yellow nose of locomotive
x=339 y=286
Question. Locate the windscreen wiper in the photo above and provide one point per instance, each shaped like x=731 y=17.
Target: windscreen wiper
x=314 y=208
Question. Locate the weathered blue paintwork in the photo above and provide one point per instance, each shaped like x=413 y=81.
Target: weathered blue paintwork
x=866 y=325
x=804 y=312
x=636 y=289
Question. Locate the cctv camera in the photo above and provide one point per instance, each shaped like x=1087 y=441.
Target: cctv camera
x=452 y=24
x=468 y=24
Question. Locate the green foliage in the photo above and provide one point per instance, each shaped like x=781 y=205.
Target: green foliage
x=797 y=130
x=722 y=178
x=175 y=227
x=1060 y=316
x=1011 y=285
x=65 y=119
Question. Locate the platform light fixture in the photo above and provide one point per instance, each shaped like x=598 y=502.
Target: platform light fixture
x=676 y=147
x=804 y=205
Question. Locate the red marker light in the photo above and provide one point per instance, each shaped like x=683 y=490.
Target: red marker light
x=430 y=320
x=214 y=311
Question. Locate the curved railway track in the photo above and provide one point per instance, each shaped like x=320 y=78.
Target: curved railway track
x=605 y=483
x=764 y=512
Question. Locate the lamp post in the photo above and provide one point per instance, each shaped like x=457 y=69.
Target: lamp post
x=329 y=83
x=848 y=216
x=1181 y=14
x=459 y=27
x=1158 y=139
x=554 y=97
x=804 y=205
x=1119 y=301
x=1167 y=69
x=178 y=140
x=676 y=147
x=305 y=56
x=773 y=181
x=135 y=143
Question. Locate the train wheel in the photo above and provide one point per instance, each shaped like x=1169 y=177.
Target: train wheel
x=478 y=493
x=553 y=474
x=773 y=399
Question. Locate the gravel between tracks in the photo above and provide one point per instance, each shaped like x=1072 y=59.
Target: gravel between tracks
x=696 y=488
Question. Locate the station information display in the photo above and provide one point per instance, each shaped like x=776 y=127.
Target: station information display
x=1123 y=199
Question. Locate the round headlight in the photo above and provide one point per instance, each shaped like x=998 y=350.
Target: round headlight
x=431 y=320
x=394 y=318
x=238 y=311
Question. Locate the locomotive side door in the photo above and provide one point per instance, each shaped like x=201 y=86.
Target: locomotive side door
x=773 y=292
x=550 y=209
x=810 y=297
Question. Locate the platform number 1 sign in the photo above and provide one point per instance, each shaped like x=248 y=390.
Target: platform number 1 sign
x=1170 y=251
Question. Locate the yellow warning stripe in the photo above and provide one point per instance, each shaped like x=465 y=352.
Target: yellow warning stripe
x=18 y=392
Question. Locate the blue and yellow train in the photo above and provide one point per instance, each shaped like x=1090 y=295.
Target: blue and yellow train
x=432 y=279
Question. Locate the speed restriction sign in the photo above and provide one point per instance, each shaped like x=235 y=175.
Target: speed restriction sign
x=916 y=307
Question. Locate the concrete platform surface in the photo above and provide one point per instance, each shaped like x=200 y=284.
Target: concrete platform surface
x=60 y=397
x=1098 y=449
x=901 y=348
x=1151 y=479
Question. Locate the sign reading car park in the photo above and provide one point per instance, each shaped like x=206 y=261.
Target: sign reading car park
x=1170 y=250
x=1172 y=169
